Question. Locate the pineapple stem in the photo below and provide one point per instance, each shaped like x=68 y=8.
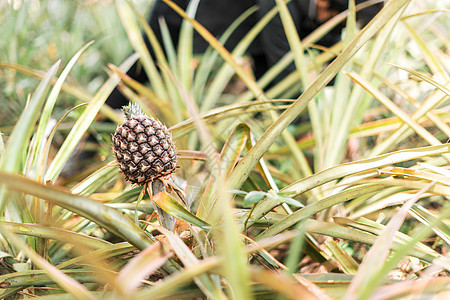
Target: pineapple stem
x=131 y=110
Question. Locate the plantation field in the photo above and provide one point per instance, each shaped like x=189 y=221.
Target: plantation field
x=328 y=182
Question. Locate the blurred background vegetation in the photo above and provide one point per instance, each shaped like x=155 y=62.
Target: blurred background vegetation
x=38 y=33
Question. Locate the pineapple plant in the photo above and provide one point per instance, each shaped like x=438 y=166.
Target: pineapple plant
x=143 y=147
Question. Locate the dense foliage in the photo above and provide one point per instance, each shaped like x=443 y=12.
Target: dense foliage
x=341 y=192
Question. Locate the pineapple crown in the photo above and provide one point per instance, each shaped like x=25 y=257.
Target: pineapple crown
x=132 y=110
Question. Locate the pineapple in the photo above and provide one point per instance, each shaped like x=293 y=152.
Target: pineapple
x=143 y=147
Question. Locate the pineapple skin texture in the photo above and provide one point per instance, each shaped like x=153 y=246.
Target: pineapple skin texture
x=144 y=149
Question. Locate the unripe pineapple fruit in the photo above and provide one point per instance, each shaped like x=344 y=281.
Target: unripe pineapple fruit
x=143 y=147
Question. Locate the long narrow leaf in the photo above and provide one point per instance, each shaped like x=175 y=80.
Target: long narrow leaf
x=364 y=165
x=243 y=169
x=140 y=267
x=50 y=103
x=86 y=207
x=66 y=282
x=15 y=151
x=83 y=123
x=58 y=234
x=174 y=208
x=137 y=41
